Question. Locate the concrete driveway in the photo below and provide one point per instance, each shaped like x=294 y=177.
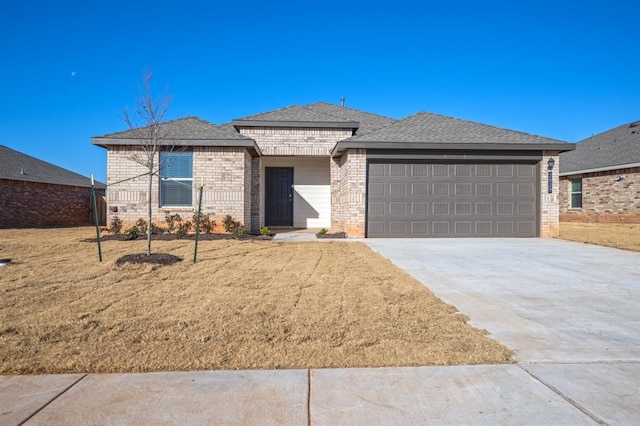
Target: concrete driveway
x=549 y=300
x=570 y=311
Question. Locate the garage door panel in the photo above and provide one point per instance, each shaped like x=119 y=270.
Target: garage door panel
x=452 y=200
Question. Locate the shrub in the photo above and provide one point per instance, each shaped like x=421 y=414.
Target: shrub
x=183 y=228
x=239 y=231
x=265 y=231
x=115 y=226
x=172 y=220
x=323 y=231
x=206 y=224
x=141 y=224
x=133 y=233
x=230 y=225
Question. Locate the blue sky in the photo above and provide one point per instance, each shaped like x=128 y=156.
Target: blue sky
x=561 y=69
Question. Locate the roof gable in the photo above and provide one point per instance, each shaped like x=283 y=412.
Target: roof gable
x=15 y=165
x=616 y=147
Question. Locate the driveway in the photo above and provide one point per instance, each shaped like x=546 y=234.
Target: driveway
x=549 y=300
x=570 y=311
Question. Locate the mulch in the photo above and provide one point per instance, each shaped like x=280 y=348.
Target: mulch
x=155 y=258
x=170 y=237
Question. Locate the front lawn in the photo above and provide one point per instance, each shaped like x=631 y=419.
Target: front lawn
x=618 y=235
x=244 y=305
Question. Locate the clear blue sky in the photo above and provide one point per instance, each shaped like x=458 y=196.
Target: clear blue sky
x=561 y=69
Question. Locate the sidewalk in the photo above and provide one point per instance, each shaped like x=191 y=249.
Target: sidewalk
x=502 y=394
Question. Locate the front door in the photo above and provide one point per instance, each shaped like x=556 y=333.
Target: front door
x=279 y=196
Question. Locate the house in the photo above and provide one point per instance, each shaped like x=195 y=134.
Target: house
x=323 y=165
x=600 y=180
x=36 y=193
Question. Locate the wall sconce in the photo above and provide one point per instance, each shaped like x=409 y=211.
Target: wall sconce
x=550 y=164
x=621 y=177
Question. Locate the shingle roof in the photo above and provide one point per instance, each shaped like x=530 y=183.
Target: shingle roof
x=15 y=165
x=297 y=116
x=368 y=122
x=616 y=147
x=428 y=128
x=188 y=128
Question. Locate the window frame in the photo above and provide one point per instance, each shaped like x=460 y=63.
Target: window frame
x=572 y=203
x=164 y=158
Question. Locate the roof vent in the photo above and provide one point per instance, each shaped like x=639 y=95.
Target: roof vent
x=635 y=124
x=22 y=171
x=342 y=102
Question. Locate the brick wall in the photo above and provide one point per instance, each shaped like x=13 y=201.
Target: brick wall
x=224 y=171
x=302 y=141
x=549 y=215
x=605 y=198
x=349 y=186
x=41 y=204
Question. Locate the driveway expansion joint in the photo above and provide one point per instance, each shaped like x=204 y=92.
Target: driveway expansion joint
x=53 y=399
x=564 y=396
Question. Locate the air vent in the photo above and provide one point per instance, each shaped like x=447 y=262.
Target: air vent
x=635 y=124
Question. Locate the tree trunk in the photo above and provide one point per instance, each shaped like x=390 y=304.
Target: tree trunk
x=149 y=214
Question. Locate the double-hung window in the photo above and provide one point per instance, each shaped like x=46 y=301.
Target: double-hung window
x=576 y=193
x=176 y=179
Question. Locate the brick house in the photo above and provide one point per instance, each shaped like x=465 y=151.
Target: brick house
x=600 y=180
x=36 y=193
x=328 y=166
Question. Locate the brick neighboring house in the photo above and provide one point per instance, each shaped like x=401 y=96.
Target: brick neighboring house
x=322 y=165
x=600 y=180
x=36 y=193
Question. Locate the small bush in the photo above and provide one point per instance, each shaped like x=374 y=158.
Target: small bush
x=141 y=224
x=239 y=231
x=115 y=226
x=184 y=228
x=133 y=233
x=206 y=224
x=323 y=231
x=230 y=225
x=265 y=231
x=172 y=220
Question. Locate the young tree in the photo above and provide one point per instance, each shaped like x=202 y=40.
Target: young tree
x=144 y=121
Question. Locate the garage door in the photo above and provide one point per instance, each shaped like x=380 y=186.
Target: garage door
x=413 y=199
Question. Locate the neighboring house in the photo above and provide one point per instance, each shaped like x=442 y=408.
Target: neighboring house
x=322 y=165
x=600 y=180
x=36 y=193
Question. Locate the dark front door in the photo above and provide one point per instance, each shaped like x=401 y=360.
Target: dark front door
x=279 y=196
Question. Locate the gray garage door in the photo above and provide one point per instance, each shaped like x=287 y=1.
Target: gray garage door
x=451 y=200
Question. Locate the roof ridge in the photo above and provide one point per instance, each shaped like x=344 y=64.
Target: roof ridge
x=352 y=109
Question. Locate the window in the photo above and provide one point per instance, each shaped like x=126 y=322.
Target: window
x=576 y=193
x=176 y=178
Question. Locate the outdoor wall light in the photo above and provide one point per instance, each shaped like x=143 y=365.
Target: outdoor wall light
x=550 y=164
x=621 y=177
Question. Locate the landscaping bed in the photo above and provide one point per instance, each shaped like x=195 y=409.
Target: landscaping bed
x=246 y=304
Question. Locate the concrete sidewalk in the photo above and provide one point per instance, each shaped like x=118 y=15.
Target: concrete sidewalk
x=570 y=311
x=502 y=394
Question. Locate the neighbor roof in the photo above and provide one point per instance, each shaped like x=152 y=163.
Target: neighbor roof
x=15 y=165
x=190 y=130
x=297 y=116
x=610 y=150
x=433 y=131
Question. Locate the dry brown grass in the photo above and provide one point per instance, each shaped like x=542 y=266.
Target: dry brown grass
x=244 y=305
x=619 y=235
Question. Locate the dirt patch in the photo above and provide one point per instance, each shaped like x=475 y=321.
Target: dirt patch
x=623 y=236
x=171 y=237
x=244 y=305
